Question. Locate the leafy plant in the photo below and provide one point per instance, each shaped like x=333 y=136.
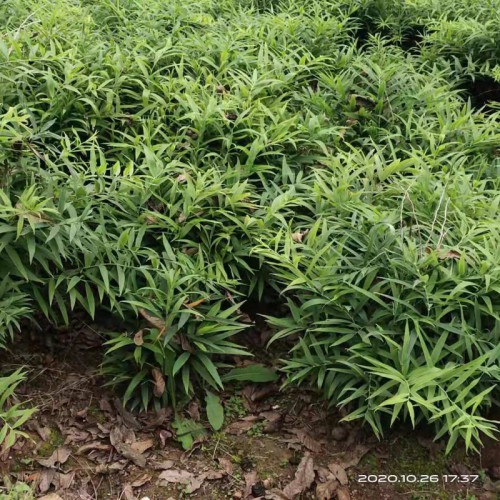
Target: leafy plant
x=164 y=162
x=12 y=416
x=17 y=491
x=251 y=373
x=188 y=431
x=166 y=363
x=215 y=411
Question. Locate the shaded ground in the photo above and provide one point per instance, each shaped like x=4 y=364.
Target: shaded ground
x=84 y=445
x=483 y=92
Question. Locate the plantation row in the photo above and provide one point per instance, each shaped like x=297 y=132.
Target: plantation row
x=170 y=160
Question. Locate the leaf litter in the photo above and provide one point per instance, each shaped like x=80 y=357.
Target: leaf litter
x=134 y=452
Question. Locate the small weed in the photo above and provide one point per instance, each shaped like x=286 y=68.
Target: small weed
x=234 y=408
x=97 y=414
x=56 y=439
x=257 y=429
x=17 y=491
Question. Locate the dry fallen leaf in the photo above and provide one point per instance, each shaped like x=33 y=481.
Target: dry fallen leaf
x=176 y=476
x=45 y=480
x=128 y=493
x=142 y=446
x=93 y=446
x=59 y=456
x=250 y=480
x=141 y=481
x=242 y=425
x=159 y=382
x=190 y=305
x=104 y=405
x=51 y=496
x=63 y=481
x=152 y=320
x=194 y=411
x=339 y=472
x=116 y=439
x=43 y=432
x=451 y=254
x=273 y=420
x=138 y=338
x=74 y=435
x=298 y=237
x=326 y=491
x=227 y=465
x=128 y=419
x=351 y=458
x=343 y=494
x=164 y=435
x=304 y=478
x=309 y=442
x=166 y=464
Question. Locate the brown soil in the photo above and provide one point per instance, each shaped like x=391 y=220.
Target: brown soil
x=267 y=437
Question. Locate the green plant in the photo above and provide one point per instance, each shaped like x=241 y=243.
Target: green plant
x=256 y=430
x=397 y=317
x=17 y=491
x=164 y=363
x=187 y=431
x=166 y=161
x=234 y=408
x=12 y=416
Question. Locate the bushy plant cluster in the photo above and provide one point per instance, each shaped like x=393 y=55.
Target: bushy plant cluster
x=169 y=160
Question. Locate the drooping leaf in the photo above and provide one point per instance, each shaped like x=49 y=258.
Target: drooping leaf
x=215 y=410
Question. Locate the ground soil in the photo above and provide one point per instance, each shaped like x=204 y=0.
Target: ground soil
x=482 y=91
x=268 y=439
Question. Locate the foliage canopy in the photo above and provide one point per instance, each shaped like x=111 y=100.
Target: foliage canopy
x=180 y=157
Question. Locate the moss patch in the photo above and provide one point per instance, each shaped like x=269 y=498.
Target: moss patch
x=56 y=439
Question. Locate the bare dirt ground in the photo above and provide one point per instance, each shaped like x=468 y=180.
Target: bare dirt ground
x=83 y=445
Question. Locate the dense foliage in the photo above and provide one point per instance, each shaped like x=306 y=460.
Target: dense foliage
x=173 y=159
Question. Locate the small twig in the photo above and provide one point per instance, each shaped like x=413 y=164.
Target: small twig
x=443 y=232
x=407 y=197
x=215 y=449
x=436 y=213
